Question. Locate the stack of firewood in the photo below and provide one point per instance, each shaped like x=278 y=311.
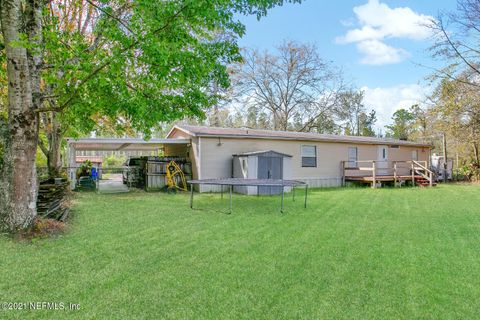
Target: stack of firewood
x=52 y=199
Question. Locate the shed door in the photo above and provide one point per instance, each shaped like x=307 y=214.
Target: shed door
x=270 y=168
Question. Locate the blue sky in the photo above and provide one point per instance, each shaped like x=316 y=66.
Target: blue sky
x=378 y=43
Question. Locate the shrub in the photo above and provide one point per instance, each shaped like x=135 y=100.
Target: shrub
x=113 y=161
x=471 y=172
x=85 y=169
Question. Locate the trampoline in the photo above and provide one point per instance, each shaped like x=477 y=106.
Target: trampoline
x=233 y=182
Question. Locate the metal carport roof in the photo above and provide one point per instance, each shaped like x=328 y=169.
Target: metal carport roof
x=115 y=144
x=121 y=144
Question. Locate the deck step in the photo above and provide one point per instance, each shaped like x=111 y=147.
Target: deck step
x=422 y=182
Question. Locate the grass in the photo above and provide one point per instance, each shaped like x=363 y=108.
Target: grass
x=353 y=254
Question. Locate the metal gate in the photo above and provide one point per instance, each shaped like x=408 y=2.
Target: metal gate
x=113 y=180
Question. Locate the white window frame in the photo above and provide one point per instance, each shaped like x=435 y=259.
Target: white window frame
x=302 y=154
x=352 y=163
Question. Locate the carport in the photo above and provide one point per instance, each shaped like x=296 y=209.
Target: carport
x=167 y=147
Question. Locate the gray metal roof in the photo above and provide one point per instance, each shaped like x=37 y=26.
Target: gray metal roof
x=256 y=153
x=204 y=131
x=117 y=144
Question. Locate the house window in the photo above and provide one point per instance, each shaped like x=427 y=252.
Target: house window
x=415 y=155
x=352 y=157
x=309 y=156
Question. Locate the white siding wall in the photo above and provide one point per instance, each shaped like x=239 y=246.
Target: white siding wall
x=212 y=158
x=216 y=158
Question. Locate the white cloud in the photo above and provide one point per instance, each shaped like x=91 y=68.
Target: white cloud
x=385 y=101
x=377 y=23
x=378 y=53
x=348 y=22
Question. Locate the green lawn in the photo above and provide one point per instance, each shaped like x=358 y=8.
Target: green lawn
x=353 y=254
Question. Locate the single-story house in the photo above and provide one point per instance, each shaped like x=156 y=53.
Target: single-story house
x=321 y=160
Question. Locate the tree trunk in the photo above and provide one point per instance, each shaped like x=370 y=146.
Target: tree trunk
x=52 y=152
x=18 y=190
x=54 y=160
x=475 y=153
x=474 y=138
x=216 y=115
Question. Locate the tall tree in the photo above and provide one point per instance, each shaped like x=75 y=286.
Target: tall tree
x=456 y=42
x=352 y=116
x=326 y=124
x=402 y=127
x=146 y=62
x=235 y=120
x=292 y=83
x=3 y=100
x=457 y=112
x=21 y=23
x=422 y=125
x=367 y=123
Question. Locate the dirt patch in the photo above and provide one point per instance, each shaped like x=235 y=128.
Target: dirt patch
x=42 y=228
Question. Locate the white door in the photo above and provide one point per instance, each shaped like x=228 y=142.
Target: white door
x=415 y=155
x=382 y=160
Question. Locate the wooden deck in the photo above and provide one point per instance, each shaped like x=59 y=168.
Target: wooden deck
x=375 y=172
x=383 y=178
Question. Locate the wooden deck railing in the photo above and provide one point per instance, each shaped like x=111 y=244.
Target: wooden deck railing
x=421 y=169
x=416 y=168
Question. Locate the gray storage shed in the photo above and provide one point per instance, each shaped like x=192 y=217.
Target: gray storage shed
x=262 y=165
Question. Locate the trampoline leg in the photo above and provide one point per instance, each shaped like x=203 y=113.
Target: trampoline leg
x=293 y=193
x=283 y=196
x=231 y=199
x=191 y=196
x=221 y=191
x=306 y=191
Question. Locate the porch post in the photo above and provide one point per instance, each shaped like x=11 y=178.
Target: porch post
x=395 y=173
x=374 y=180
x=413 y=174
